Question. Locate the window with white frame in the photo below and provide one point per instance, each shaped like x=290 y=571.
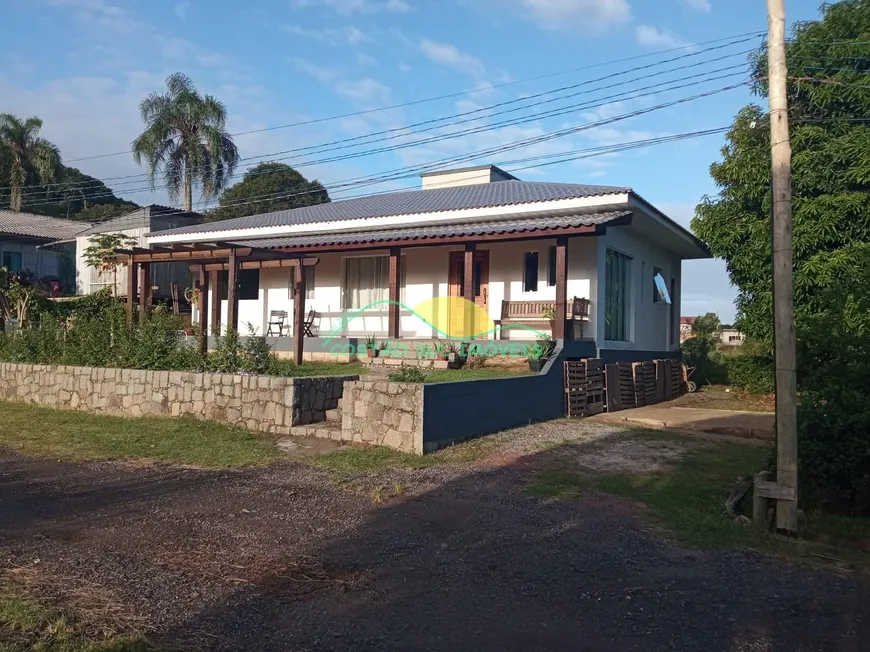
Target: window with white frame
x=365 y=280
x=530 y=271
x=310 y=276
x=617 y=296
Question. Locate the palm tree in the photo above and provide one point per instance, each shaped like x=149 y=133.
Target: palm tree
x=186 y=137
x=24 y=156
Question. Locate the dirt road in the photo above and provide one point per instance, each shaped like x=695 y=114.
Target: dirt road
x=282 y=558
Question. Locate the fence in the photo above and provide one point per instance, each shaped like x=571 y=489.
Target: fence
x=592 y=387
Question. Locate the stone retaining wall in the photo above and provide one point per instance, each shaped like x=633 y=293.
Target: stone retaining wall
x=260 y=403
x=384 y=413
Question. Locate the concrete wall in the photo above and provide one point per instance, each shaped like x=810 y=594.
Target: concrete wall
x=425 y=277
x=462 y=410
x=260 y=403
x=651 y=323
x=385 y=414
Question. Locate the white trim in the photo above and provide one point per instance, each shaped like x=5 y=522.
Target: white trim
x=362 y=224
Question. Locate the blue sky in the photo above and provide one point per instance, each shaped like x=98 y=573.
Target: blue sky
x=84 y=65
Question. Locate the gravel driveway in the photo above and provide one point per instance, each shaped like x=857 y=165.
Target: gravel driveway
x=283 y=558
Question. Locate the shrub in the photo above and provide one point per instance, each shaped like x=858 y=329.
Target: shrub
x=700 y=353
x=408 y=375
x=753 y=372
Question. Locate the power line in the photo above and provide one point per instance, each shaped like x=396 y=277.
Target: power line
x=480 y=129
x=536 y=139
x=400 y=131
x=303 y=123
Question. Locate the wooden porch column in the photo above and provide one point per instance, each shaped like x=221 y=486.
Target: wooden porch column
x=298 y=311
x=132 y=273
x=144 y=290
x=468 y=288
x=232 y=292
x=395 y=262
x=561 y=287
x=215 y=317
x=202 y=309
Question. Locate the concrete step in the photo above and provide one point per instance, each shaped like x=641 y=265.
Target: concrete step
x=322 y=430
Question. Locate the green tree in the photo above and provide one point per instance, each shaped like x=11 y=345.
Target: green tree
x=831 y=173
x=706 y=327
x=25 y=158
x=265 y=188
x=186 y=138
x=76 y=196
x=101 y=250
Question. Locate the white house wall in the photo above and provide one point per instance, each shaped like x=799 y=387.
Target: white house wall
x=426 y=276
x=650 y=323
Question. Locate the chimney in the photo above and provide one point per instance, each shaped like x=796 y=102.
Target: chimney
x=465 y=177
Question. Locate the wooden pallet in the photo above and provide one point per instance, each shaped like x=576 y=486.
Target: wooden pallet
x=584 y=387
x=644 y=375
x=619 y=386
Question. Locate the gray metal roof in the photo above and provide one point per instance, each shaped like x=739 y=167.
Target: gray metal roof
x=521 y=225
x=144 y=217
x=502 y=193
x=44 y=227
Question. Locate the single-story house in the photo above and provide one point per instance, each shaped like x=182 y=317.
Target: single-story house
x=137 y=224
x=23 y=246
x=378 y=265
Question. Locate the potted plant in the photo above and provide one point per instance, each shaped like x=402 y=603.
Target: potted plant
x=373 y=347
x=440 y=350
x=537 y=355
x=451 y=354
x=549 y=313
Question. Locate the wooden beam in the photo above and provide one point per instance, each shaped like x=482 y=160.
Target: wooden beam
x=171 y=255
x=453 y=240
x=132 y=273
x=395 y=267
x=468 y=287
x=215 y=317
x=260 y=264
x=298 y=313
x=233 y=293
x=202 y=309
x=144 y=291
x=775 y=490
x=561 y=287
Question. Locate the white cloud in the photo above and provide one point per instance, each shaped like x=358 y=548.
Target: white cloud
x=591 y=15
x=100 y=13
x=653 y=37
x=365 y=91
x=364 y=59
x=699 y=5
x=182 y=9
x=356 y=6
x=334 y=36
x=450 y=55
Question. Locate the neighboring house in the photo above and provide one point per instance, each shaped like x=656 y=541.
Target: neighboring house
x=686 y=324
x=623 y=255
x=138 y=225
x=731 y=337
x=41 y=245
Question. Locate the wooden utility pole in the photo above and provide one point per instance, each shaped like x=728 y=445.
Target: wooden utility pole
x=781 y=248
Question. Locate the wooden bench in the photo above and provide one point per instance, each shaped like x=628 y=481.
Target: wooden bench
x=531 y=313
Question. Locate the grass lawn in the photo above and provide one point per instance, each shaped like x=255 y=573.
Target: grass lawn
x=290 y=368
x=27 y=625
x=450 y=375
x=689 y=502
x=723 y=397
x=78 y=436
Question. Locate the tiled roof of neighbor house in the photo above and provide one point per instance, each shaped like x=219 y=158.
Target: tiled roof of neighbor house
x=521 y=225
x=142 y=217
x=40 y=226
x=410 y=202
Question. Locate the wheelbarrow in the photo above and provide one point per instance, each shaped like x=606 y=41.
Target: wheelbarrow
x=691 y=385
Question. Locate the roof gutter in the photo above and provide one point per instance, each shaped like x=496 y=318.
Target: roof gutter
x=566 y=206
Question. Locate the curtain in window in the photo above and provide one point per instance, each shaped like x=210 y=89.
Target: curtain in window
x=366 y=281
x=616 y=279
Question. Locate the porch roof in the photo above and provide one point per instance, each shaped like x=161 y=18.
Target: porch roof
x=441 y=233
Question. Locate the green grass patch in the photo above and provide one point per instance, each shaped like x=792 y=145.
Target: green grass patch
x=290 y=368
x=371 y=460
x=67 y=435
x=25 y=625
x=689 y=502
x=451 y=375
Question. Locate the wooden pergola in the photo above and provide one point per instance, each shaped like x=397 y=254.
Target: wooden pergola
x=209 y=260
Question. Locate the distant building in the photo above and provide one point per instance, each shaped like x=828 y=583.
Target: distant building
x=727 y=336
